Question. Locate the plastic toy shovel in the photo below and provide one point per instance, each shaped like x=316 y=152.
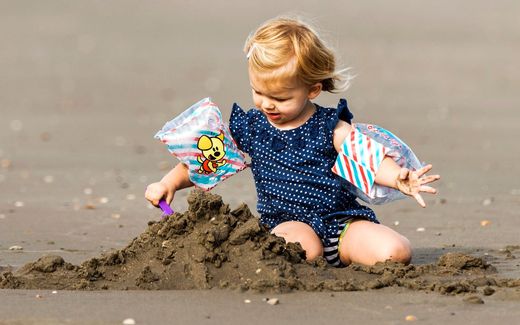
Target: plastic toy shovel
x=165 y=208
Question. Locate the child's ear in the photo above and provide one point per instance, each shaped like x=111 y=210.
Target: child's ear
x=315 y=90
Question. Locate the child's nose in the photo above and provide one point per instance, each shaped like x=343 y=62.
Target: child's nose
x=267 y=104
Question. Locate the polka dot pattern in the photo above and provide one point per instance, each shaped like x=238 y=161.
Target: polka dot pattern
x=292 y=170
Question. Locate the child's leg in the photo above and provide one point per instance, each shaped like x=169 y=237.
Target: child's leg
x=367 y=243
x=299 y=232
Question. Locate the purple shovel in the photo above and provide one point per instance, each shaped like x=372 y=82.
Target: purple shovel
x=165 y=208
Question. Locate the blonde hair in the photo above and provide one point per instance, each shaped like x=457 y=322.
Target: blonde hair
x=287 y=47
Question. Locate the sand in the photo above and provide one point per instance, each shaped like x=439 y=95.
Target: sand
x=210 y=246
x=85 y=86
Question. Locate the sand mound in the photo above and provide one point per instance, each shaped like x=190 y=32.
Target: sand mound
x=211 y=246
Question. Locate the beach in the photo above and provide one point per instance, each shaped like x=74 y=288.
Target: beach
x=86 y=85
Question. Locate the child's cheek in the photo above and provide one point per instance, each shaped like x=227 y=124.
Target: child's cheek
x=257 y=101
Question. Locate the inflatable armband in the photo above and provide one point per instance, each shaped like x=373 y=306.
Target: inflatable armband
x=202 y=141
x=360 y=156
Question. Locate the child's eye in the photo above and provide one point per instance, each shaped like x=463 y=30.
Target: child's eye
x=278 y=99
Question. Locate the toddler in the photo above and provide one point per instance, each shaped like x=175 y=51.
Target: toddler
x=293 y=144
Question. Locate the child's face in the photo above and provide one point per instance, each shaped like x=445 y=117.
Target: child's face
x=286 y=104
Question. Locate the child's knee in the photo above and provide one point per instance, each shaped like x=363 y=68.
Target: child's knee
x=299 y=232
x=311 y=245
x=312 y=250
x=398 y=251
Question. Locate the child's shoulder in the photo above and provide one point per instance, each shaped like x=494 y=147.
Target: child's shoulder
x=244 y=118
x=333 y=115
x=325 y=111
x=239 y=111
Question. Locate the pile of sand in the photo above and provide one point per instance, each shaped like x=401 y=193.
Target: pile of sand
x=210 y=246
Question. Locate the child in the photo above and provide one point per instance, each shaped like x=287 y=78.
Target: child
x=293 y=144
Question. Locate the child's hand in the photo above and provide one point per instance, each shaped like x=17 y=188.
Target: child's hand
x=412 y=183
x=156 y=191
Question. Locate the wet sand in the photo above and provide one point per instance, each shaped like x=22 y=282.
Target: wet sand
x=211 y=246
x=85 y=87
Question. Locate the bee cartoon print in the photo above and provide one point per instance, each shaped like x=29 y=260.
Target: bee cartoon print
x=213 y=153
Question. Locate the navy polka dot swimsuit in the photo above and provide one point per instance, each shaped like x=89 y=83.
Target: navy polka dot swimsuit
x=292 y=170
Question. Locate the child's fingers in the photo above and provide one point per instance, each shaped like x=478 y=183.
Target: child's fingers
x=153 y=200
x=423 y=170
x=153 y=196
x=419 y=200
x=427 y=189
x=147 y=195
x=429 y=179
x=169 y=198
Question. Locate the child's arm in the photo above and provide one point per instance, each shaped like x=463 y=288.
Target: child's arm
x=340 y=134
x=409 y=182
x=390 y=174
x=176 y=179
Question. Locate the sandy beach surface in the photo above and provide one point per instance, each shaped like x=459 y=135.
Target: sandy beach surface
x=84 y=86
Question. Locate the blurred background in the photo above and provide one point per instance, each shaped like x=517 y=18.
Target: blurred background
x=85 y=85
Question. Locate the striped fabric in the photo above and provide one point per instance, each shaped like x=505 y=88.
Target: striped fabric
x=359 y=160
x=331 y=245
